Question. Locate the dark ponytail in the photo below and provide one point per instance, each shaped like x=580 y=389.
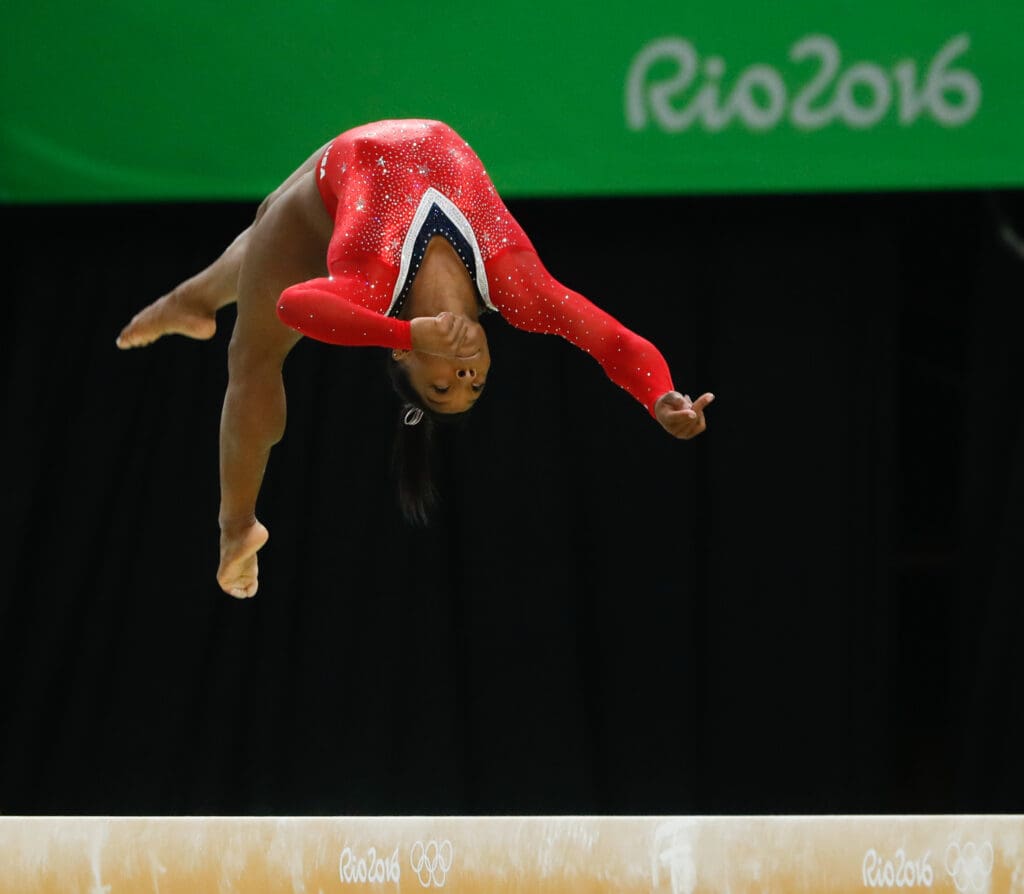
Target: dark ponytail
x=412 y=456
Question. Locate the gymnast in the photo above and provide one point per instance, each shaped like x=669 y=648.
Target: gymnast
x=391 y=235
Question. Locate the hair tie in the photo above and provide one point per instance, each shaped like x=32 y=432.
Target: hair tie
x=413 y=416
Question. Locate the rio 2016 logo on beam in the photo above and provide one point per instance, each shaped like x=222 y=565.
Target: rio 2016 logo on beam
x=899 y=872
x=968 y=865
x=373 y=868
x=858 y=96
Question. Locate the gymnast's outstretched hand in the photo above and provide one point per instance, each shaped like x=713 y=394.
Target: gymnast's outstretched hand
x=447 y=335
x=237 y=574
x=680 y=416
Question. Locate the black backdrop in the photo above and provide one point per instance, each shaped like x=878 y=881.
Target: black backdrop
x=814 y=607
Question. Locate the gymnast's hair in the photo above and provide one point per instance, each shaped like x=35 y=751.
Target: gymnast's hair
x=415 y=444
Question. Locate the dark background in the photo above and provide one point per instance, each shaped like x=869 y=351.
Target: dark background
x=815 y=607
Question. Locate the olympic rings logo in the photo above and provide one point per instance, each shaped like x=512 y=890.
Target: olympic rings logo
x=969 y=866
x=431 y=862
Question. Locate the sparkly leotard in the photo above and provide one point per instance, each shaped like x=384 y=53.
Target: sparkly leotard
x=392 y=185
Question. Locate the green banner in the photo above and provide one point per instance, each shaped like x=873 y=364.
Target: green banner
x=137 y=101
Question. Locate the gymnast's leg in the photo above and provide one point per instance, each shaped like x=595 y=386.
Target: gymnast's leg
x=286 y=245
x=191 y=307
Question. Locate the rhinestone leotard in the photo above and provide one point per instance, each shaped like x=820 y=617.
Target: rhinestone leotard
x=392 y=185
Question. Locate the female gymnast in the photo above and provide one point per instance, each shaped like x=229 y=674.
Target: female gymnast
x=391 y=235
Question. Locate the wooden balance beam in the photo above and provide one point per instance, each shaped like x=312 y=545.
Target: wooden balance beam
x=491 y=855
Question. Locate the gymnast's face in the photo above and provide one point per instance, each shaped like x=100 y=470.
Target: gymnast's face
x=446 y=386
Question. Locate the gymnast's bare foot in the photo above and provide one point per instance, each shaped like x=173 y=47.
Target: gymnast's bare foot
x=179 y=312
x=238 y=567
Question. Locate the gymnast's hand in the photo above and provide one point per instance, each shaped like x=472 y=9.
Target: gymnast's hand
x=680 y=416
x=447 y=335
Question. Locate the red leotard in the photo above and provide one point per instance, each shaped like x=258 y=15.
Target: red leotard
x=390 y=187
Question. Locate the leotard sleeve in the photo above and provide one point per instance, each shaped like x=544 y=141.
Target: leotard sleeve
x=348 y=307
x=330 y=310
x=530 y=298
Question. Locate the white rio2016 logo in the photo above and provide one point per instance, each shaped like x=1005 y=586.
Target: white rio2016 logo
x=431 y=862
x=370 y=869
x=859 y=97
x=899 y=872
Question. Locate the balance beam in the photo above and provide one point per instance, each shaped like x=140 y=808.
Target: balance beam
x=970 y=854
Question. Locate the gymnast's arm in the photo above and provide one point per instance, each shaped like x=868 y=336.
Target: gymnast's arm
x=530 y=298
x=328 y=310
